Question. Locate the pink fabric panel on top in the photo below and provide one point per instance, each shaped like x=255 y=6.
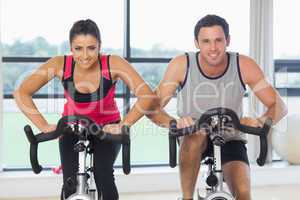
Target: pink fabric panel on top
x=102 y=111
x=68 y=67
x=105 y=67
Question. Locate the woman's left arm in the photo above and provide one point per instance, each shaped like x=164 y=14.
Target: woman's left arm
x=146 y=99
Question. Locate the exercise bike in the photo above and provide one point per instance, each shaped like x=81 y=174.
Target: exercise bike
x=216 y=122
x=84 y=128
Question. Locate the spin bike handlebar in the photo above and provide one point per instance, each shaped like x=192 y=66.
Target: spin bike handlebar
x=89 y=128
x=231 y=121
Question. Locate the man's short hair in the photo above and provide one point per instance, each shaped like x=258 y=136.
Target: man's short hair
x=211 y=20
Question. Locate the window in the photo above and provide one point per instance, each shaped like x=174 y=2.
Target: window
x=286 y=51
x=42 y=28
x=286 y=34
x=158 y=32
x=287 y=54
x=166 y=28
x=149 y=142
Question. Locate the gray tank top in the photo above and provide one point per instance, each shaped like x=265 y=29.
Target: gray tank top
x=200 y=92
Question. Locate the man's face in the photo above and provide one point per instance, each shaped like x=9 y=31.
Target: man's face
x=212 y=44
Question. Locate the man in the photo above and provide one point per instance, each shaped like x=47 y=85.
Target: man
x=213 y=78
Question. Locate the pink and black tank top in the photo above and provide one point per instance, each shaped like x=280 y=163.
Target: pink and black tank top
x=99 y=105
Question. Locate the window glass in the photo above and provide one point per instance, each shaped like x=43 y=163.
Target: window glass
x=286 y=33
x=16 y=146
x=42 y=28
x=286 y=40
x=166 y=28
x=152 y=73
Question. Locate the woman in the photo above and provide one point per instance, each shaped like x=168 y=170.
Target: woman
x=89 y=78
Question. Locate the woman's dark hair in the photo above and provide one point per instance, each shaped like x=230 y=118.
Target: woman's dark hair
x=85 y=27
x=211 y=20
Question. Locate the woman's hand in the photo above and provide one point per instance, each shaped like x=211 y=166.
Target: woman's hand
x=48 y=128
x=114 y=129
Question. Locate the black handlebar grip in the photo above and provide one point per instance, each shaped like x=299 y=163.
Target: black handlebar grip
x=264 y=142
x=34 y=140
x=263 y=151
x=29 y=134
x=126 y=150
x=43 y=137
x=250 y=130
x=36 y=167
x=172 y=144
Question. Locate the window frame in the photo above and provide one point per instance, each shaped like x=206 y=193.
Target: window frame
x=280 y=65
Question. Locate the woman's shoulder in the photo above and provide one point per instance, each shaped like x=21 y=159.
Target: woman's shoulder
x=56 y=65
x=115 y=57
x=55 y=61
x=116 y=61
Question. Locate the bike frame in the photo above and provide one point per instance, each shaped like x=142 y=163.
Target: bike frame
x=216 y=192
x=218 y=167
x=85 y=189
x=83 y=127
x=216 y=121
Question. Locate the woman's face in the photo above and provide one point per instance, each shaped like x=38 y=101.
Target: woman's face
x=85 y=49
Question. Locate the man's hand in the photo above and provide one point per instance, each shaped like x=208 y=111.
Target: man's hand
x=248 y=121
x=114 y=129
x=185 y=122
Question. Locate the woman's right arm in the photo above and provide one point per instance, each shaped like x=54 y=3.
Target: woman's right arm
x=23 y=94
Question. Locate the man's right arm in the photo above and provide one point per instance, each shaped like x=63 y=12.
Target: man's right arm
x=173 y=77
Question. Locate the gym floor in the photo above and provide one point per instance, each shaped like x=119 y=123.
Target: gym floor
x=284 y=192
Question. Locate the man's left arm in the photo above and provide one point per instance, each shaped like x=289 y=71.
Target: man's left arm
x=253 y=76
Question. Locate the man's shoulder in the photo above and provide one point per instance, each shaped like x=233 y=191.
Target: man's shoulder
x=234 y=53
x=249 y=69
x=179 y=59
x=246 y=60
